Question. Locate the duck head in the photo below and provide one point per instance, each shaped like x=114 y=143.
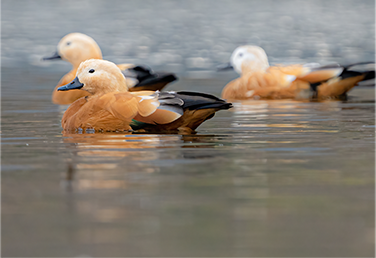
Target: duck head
x=247 y=58
x=97 y=77
x=76 y=48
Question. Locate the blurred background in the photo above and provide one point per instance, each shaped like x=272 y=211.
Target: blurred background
x=264 y=179
x=191 y=36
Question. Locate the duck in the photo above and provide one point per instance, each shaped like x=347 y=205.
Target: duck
x=110 y=107
x=78 y=47
x=259 y=80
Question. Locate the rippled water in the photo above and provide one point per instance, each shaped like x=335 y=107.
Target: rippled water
x=266 y=178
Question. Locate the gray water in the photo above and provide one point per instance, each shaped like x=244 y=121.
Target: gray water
x=264 y=179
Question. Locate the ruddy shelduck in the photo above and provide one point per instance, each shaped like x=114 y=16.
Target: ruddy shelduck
x=77 y=47
x=259 y=80
x=110 y=107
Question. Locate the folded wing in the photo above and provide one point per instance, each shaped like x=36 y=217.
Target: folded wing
x=146 y=79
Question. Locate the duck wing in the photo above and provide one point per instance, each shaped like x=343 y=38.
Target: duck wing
x=172 y=105
x=147 y=79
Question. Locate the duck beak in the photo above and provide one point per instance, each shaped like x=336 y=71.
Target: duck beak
x=226 y=66
x=74 y=85
x=54 y=56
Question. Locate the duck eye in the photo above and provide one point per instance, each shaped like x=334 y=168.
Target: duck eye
x=91 y=71
x=68 y=43
x=240 y=54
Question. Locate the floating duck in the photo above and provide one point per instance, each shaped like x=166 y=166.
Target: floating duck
x=258 y=80
x=77 y=47
x=110 y=107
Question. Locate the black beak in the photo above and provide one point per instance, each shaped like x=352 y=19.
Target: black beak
x=226 y=66
x=74 y=85
x=54 y=56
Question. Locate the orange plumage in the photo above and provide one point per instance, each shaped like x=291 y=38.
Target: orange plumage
x=258 y=80
x=77 y=47
x=110 y=107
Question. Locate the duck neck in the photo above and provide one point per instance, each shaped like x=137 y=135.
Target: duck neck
x=111 y=89
x=254 y=68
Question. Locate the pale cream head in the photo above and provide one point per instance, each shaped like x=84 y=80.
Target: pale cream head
x=101 y=76
x=77 y=47
x=249 y=58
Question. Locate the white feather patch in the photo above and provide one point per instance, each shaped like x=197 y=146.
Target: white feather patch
x=250 y=93
x=290 y=78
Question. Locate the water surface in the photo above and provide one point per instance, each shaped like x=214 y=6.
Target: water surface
x=266 y=178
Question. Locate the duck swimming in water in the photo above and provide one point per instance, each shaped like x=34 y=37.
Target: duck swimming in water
x=110 y=107
x=77 y=47
x=259 y=80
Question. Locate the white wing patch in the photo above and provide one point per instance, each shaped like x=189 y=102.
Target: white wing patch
x=290 y=78
x=250 y=93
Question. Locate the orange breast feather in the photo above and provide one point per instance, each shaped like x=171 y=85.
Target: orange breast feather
x=274 y=83
x=108 y=112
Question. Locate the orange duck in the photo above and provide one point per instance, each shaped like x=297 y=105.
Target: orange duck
x=77 y=47
x=258 y=80
x=110 y=107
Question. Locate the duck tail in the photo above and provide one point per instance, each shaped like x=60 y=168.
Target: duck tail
x=339 y=86
x=198 y=100
x=198 y=107
x=149 y=80
x=367 y=69
x=193 y=108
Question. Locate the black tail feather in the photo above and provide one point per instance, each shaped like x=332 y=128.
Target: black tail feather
x=198 y=100
x=347 y=73
x=360 y=63
x=147 y=79
x=370 y=75
x=192 y=100
x=157 y=78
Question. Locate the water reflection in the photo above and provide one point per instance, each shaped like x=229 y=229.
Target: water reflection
x=281 y=178
x=294 y=115
x=169 y=194
x=94 y=155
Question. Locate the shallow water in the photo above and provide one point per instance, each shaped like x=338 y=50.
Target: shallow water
x=267 y=178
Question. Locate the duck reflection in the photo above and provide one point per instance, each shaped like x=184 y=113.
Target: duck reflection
x=297 y=116
x=115 y=144
x=99 y=160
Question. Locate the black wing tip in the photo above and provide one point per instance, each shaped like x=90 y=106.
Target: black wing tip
x=201 y=94
x=141 y=68
x=226 y=105
x=198 y=100
x=359 y=63
x=216 y=105
x=170 y=77
x=369 y=75
x=157 y=79
x=345 y=67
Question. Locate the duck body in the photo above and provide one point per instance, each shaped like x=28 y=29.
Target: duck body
x=176 y=112
x=269 y=84
x=77 y=47
x=110 y=107
x=258 y=80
